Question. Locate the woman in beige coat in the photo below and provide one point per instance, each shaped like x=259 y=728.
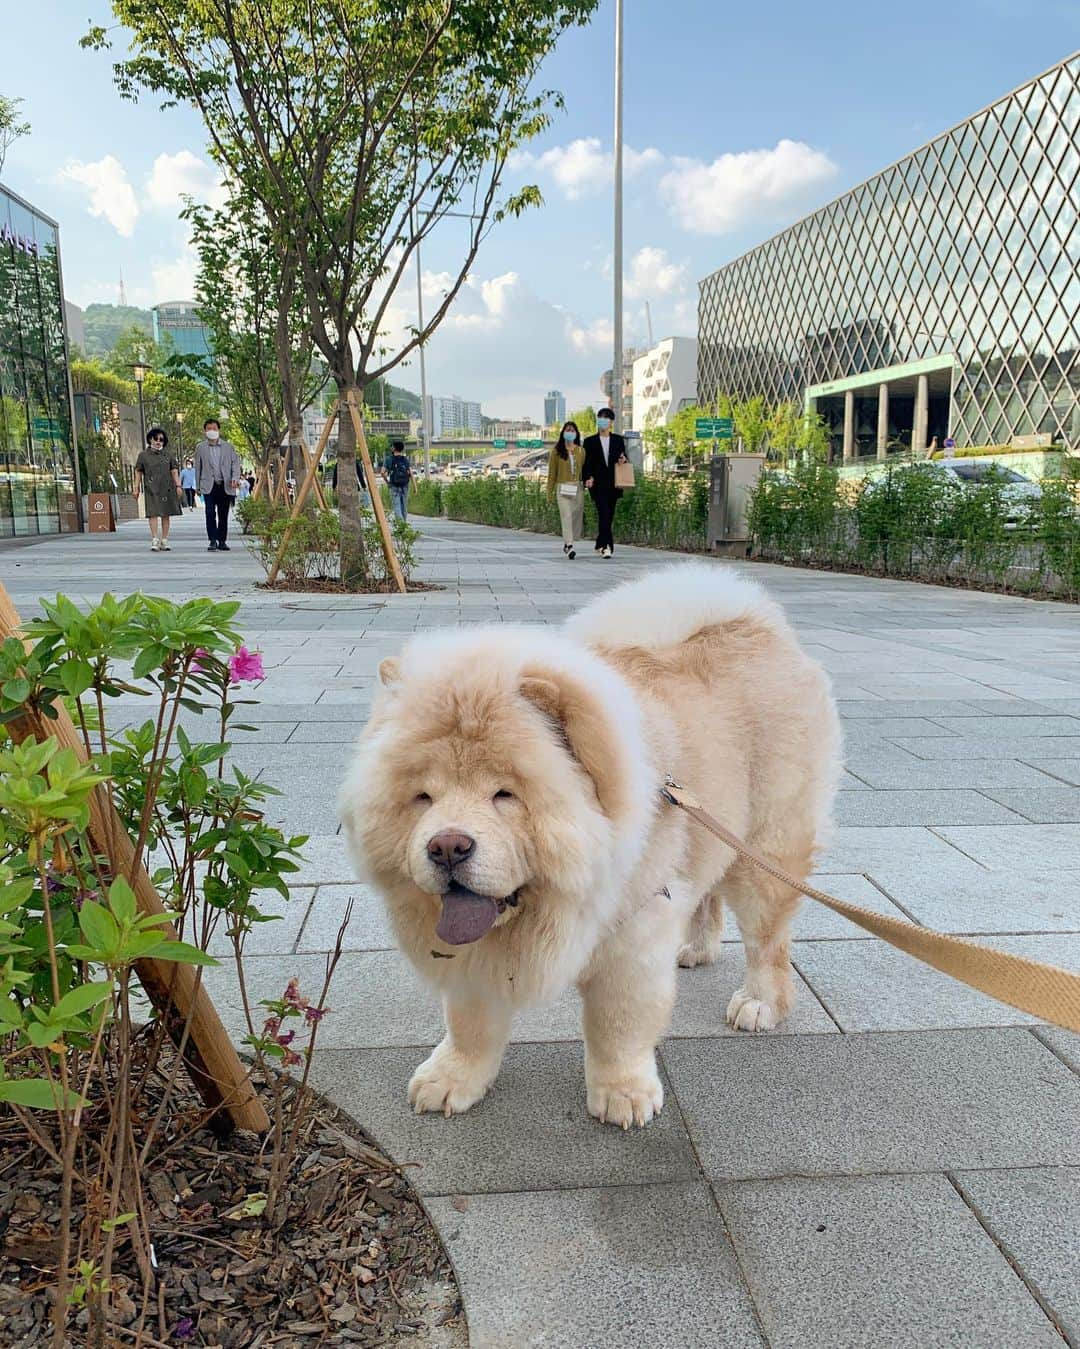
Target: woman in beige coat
x=564 y=485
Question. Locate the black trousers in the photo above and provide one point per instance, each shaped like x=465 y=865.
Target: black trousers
x=217 y=505
x=605 y=503
x=189 y=493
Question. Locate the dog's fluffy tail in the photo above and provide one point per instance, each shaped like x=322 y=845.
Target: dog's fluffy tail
x=670 y=605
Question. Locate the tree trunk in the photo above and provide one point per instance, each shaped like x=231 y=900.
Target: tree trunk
x=353 y=561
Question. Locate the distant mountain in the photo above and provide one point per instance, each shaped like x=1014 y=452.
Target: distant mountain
x=103 y=324
x=397 y=400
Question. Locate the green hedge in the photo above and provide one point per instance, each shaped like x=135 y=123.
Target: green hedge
x=912 y=522
x=657 y=513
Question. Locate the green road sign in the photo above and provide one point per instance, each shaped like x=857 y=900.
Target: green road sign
x=530 y=444
x=46 y=426
x=713 y=428
x=498 y=444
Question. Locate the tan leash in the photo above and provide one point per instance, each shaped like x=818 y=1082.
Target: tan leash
x=1046 y=991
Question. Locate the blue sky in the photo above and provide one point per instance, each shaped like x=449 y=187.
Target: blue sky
x=738 y=119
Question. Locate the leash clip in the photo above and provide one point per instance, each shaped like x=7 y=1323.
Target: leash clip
x=670 y=786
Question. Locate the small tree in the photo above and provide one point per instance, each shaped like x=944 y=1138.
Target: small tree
x=585 y=420
x=358 y=125
x=250 y=301
x=11 y=126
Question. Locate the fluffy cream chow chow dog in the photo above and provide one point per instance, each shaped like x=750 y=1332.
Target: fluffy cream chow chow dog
x=505 y=800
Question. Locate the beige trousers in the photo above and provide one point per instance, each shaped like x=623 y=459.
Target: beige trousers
x=571 y=514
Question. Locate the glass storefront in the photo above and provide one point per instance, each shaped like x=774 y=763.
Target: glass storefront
x=966 y=249
x=38 y=482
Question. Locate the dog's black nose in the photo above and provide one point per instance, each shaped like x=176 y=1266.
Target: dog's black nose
x=448 y=849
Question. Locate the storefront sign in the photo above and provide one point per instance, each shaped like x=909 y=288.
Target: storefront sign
x=23 y=242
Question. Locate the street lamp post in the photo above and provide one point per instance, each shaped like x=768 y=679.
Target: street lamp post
x=616 y=370
x=141 y=372
x=180 y=435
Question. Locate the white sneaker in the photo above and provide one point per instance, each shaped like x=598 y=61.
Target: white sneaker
x=155 y=545
x=165 y=548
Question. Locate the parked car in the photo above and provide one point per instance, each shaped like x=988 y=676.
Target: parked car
x=1020 y=494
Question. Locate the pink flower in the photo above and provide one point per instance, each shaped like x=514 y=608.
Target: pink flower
x=196 y=666
x=313 y=1015
x=245 y=665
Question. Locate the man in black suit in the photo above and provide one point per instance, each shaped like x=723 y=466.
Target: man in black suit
x=602 y=452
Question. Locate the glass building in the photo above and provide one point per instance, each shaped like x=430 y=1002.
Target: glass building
x=180 y=320
x=39 y=485
x=940 y=297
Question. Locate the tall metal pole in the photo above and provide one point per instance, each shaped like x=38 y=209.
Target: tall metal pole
x=142 y=415
x=424 y=419
x=616 y=369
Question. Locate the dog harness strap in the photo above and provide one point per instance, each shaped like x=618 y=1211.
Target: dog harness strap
x=1045 y=991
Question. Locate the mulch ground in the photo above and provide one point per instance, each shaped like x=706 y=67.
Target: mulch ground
x=324 y=586
x=356 y=1261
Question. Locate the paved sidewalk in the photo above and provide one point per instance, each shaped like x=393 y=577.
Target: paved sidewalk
x=897 y=1164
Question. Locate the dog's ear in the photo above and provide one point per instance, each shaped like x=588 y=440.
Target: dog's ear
x=587 y=729
x=390 y=670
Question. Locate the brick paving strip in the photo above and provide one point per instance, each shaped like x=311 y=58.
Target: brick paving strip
x=898 y=1163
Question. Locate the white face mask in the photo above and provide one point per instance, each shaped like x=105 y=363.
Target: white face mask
x=211 y=436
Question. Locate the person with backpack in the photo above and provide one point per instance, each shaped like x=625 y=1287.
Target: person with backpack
x=398 y=474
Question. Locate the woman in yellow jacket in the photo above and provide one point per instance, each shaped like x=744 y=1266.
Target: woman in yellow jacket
x=564 y=484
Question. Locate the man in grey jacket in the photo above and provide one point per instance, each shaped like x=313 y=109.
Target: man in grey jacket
x=217 y=472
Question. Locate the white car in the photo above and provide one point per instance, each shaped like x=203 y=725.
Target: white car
x=1020 y=494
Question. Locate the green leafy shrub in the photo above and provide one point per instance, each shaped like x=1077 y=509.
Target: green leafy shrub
x=313 y=545
x=658 y=512
x=76 y=1069
x=913 y=521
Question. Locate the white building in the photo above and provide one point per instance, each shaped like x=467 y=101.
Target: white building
x=445 y=415
x=665 y=380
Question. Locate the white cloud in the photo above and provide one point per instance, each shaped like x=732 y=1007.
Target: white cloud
x=180 y=175
x=175 y=280
x=736 y=189
x=584 y=166
x=595 y=338
x=652 y=274
x=111 y=196
x=504 y=346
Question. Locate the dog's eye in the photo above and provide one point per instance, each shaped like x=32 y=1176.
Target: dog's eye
x=504 y=795
x=422 y=798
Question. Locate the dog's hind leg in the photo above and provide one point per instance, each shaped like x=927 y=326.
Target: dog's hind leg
x=764 y=908
x=704 y=932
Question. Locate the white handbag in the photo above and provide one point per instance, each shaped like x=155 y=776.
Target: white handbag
x=569 y=489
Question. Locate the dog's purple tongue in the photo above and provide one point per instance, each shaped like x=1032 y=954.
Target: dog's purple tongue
x=465 y=916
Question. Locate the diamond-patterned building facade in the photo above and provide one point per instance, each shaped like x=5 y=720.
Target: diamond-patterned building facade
x=963 y=257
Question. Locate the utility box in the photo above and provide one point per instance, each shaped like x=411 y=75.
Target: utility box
x=732 y=478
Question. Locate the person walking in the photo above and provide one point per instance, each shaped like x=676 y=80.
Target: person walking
x=398 y=474
x=157 y=473
x=564 y=485
x=187 y=483
x=217 y=473
x=602 y=452
x=365 y=495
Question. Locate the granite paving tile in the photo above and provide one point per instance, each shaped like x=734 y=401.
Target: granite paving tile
x=1034 y=1215
x=613 y=1267
x=876 y=1262
x=760 y=1106
x=870 y=986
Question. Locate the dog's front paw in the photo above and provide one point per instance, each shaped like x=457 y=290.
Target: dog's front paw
x=449 y=1083
x=745 y=1012
x=633 y=1099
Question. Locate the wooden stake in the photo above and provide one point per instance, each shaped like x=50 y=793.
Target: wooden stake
x=302 y=494
x=320 y=495
x=373 y=489
x=175 y=990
